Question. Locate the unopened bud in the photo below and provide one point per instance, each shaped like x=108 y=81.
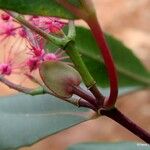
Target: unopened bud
x=59 y=77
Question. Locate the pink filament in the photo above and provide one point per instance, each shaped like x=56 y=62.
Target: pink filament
x=49 y=57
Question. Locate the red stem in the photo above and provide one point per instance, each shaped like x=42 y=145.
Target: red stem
x=100 y=39
x=84 y=103
x=85 y=95
x=99 y=97
x=120 y=118
x=98 y=34
x=15 y=86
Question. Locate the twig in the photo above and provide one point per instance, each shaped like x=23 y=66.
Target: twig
x=14 y=86
x=49 y=37
x=120 y=118
x=88 y=80
x=85 y=95
x=98 y=34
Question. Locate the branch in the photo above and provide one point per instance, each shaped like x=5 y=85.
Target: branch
x=88 y=14
x=15 y=86
x=85 y=95
x=43 y=90
x=68 y=43
x=84 y=103
x=81 y=67
x=49 y=37
x=120 y=118
x=98 y=34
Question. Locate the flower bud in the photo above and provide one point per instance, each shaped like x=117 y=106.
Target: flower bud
x=59 y=77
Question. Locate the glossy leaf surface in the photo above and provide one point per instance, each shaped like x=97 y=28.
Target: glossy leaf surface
x=41 y=7
x=130 y=70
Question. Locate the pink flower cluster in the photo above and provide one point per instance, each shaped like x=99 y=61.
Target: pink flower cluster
x=49 y=24
x=35 y=51
x=7 y=27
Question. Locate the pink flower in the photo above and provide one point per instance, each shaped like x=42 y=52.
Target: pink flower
x=22 y=33
x=50 y=57
x=9 y=66
x=55 y=25
x=5 y=69
x=5 y=16
x=57 y=56
x=37 y=52
x=33 y=63
x=7 y=29
x=13 y=60
x=49 y=24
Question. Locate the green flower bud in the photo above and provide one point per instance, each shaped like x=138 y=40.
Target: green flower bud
x=59 y=77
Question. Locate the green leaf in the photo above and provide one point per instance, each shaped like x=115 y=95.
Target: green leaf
x=38 y=7
x=110 y=146
x=122 y=90
x=25 y=119
x=130 y=70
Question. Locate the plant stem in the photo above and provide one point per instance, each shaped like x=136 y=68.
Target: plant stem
x=71 y=31
x=76 y=58
x=100 y=98
x=38 y=91
x=15 y=86
x=81 y=67
x=85 y=95
x=83 y=103
x=41 y=90
x=120 y=118
x=64 y=42
x=49 y=37
x=98 y=34
x=88 y=14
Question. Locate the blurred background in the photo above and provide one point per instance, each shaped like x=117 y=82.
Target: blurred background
x=129 y=21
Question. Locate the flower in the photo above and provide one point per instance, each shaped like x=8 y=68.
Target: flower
x=7 y=29
x=35 y=52
x=22 y=33
x=50 y=56
x=10 y=63
x=33 y=63
x=5 y=69
x=9 y=66
x=48 y=24
x=5 y=16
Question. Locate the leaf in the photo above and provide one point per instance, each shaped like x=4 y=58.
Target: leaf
x=130 y=70
x=39 y=7
x=122 y=90
x=25 y=119
x=110 y=146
